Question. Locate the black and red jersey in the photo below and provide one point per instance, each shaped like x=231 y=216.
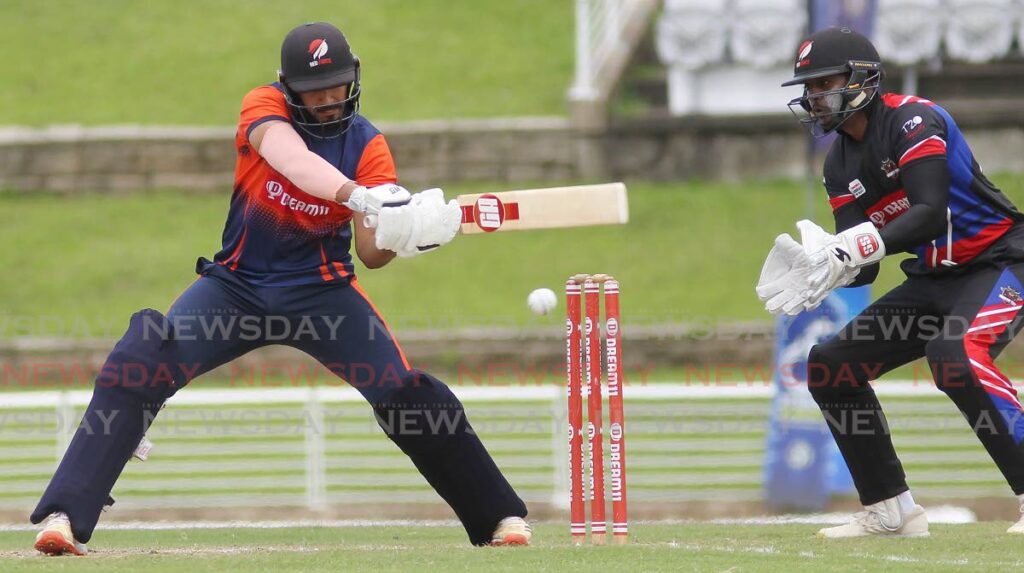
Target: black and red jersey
x=865 y=176
x=278 y=235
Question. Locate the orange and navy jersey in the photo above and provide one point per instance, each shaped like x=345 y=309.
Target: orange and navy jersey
x=278 y=235
x=865 y=176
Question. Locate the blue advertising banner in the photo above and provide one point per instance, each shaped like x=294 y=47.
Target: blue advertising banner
x=856 y=14
x=803 y=466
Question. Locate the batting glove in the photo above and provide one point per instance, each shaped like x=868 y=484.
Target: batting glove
x=437 y=222
x=371 y=201
x=424 y=224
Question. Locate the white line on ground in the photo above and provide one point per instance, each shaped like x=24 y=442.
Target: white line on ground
x=939 y=514
x=164 y=525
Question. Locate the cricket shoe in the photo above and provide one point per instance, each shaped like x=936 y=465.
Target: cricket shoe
x=56 y=537
x=1018 y=527
x=884 y=519
x=512 y=531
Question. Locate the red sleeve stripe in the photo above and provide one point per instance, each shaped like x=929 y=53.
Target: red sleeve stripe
x=841 y=200
x=934 y=145
x=897 y=100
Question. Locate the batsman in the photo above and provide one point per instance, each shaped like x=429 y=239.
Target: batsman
x=313 y=179
x=901 y=178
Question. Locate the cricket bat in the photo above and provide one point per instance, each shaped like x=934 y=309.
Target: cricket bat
x=547 y=208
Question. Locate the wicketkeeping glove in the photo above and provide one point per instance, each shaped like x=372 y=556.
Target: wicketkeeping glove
x=784 y=285
x=837 y=259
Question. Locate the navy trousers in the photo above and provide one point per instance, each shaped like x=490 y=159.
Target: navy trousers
x=221 y=317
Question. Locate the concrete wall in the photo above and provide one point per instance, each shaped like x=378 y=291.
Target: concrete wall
x=118 y=158
x=510 y=150
x=472 y=354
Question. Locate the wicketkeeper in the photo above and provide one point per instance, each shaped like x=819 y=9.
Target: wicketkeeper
x=901 y=178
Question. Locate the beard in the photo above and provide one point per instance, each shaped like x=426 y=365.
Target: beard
x=826 y=111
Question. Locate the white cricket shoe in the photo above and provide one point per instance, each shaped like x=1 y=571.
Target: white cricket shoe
x=884 y=519
x=1018 y=527
x=56 y=537
x=512 y=531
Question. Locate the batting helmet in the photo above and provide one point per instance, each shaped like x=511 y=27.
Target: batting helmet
x=830 y=52
x=317 y=56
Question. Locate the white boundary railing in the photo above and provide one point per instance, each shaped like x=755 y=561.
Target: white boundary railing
x=316 y=447
x=600 y=27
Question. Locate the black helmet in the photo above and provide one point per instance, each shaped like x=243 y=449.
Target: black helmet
x=829 y=52
x=317 y=56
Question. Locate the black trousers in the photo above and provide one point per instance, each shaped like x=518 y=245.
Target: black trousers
x=960 y=323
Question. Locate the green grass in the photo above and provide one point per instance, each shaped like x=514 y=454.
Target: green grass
x=687 y=547
x=191 y=61
x=80 y=266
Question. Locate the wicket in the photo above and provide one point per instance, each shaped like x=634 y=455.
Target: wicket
x=583 y=359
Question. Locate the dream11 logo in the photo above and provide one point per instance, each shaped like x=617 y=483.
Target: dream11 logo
x=275 y=190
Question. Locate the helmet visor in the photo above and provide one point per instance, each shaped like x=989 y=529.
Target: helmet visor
x=815 y=74
x=328 y=120
x=820 y=113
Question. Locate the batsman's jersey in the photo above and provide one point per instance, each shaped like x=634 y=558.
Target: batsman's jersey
x=278 y=235
x=903 y=130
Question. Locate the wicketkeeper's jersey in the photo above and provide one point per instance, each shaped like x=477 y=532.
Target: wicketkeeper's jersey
x=278 y=235
x=903 y=130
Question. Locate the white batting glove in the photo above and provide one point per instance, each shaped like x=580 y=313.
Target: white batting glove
x=837 y=259
x=784 y=285
x=424 y=224
x=371 y=201
x=438 y=222
x=395 y=227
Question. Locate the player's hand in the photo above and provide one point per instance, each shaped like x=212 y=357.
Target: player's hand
x=371 y=201
x=426 y=223
x=395 y=227
x=784 y=285
x=837 y=259
x=439 y=221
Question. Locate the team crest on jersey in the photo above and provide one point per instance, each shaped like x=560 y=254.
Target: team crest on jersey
x=1009 y=295
x=890 y=168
